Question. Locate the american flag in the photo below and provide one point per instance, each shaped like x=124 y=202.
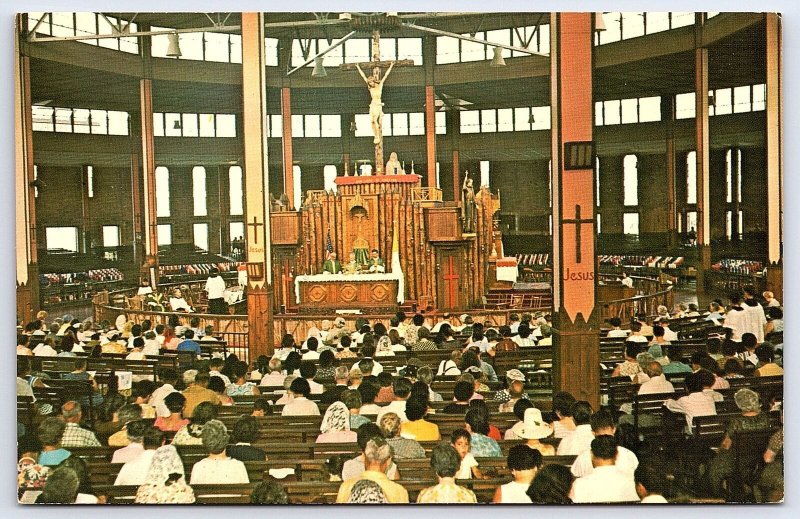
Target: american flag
x=328 y=244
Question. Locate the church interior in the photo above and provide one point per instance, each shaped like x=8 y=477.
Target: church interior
x=580 y=214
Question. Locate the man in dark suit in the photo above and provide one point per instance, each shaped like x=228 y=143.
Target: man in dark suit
x=332 y=395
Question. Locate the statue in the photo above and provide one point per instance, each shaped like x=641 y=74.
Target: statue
x=352 y=266
x=468 y=204
x=332 y=265
x=393 y=166
x=375 y=85
x=275 y=204
x=375 y=263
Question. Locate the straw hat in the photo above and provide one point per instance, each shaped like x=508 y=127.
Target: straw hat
x=533 y=427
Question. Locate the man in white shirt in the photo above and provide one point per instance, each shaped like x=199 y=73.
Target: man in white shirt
x=581 y=438
x=602 y=424
x=658 y=383
x=299 y=404
x=151 y=344
x=217 y=468
x=43 y=350
x=274 y=377
x=214 y=365
x=696 y=403
x=134 y=471
x=312 y=343
x=169 y=379
x=308 y=370
x=616 y=331
x=636 y=333
x=215 y=287
x=626 y=280
x=769 y=297
x=606 y=483
x=755 y=319
x=736 y=318
x=368 y=352
x=401 y=389
x=650 y=483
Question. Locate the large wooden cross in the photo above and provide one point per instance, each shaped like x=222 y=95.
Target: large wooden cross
x=376 y=65
x=255 y=225
x=451 y=278
x=578 y=221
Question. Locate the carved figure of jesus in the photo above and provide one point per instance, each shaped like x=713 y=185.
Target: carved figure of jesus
x=375 y=86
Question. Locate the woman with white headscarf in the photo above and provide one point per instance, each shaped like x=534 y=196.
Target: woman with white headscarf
x=165 y=482
x=384 y=347
x=335 y=427
x=367 y=492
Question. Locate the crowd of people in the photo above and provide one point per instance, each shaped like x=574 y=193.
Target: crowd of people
x=336 y=372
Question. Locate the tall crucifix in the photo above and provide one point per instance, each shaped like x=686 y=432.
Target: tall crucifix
x=375 y=85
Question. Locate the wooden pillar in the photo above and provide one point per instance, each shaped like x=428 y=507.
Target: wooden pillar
x=149 y=170
x=26 y=244
x=774 y=133
x=703 y=149
x=256 y=182
x=668 y=115
x=429 y=60
x=576 y=343
x=288 y=165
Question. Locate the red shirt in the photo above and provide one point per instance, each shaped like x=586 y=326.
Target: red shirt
x=494 y=433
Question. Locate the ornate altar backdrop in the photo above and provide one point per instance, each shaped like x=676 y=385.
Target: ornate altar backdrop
x=442 y=266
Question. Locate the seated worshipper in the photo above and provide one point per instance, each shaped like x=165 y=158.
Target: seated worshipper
x=581 y=438
x=335 y=425
x=46 y=348
x=332 y=394
x=352 y=266
x=275 y=376
x=262 y=407
x=215 y=366
x=22 y=345
x=377 y=459
x=137 y=350
x=462 y=393
x=165 y=482
x=602 y=423
x=657 y=383
x=638 y=332
x=476 y=421
x=198 y=391
x=368 y=352
x=445 y=462
x=650 y=483
x=49 y=433
x=402 y=447
x=386 y=392
x=746 y=350
x=774 y=328
x=354 y=468
x=192 y=434
x=287 y=346
x=107 y=421
x=523 y=337
x=519 y=411
x=299 y=404
x=240 y=386
x=424 y=343
x=351 y=398
x=675 y=365
x=630 y=366
x=245 y=432
x=410 y=334
x=327 y=367
x=402 y=389
x=524 y=463
x=505 y=343
x=770 y=484
x=425 y=375
x=766 y=361
x=732 y=369
x=368 y=391
x=450 y=366
x=417 y=428
x=515 y=390
x=216 y=385
x=175 y=403
x=460 y=440
x=532 y=429
x=564 y=424
x=310 y=346
x=367 y=492
x=177 y=303
x=710 y=365
x=605 y=484
x=332 y=265
x=269 y=493
x=171 y=340
x=494 y=432
x=260 y=368
x=695 y=403
x=126 y=415
x=396 y=341
x=752 y=418
x=308 y=370
x=478 y=338
x=218 y=468
x=74 y=435
x=188 y=343
x=708 y=380
x=61 y=487
x=552 y=486
x=615 y=330
x=134 y=432
x=134 y=471
x=80 y=373
x=168 y=378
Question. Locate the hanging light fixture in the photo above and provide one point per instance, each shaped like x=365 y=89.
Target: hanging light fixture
x=353 y=127
x=497 y=60
x=531 y=119
x=599 y=23
x=177 y=125
x=174 y=47
x=319 y=70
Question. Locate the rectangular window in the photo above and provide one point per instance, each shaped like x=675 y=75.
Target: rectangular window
x=117 y=123
x=630 y=110
x=728 y=224
x=682 y=19
x=470 y=121
x=541 y=118
x=191 y=44
x=611 y=113
x=200 y=233
x=631 y=181
x=89 y=181
x=739 y=175
x=630 y=223
x=199 y=191
x=613 y=30
x=42 y=118
x=276 y=125
x=363 y=125
x=236 y=230
x=740 y=223
x=722 y=102
x=85 y=23
x=598 y=113
x=110 y=236
x=236 y=195
x=298 y=186
x=598 y=223
x=158 y=124
x=632 y=25
x=271 y=45
x=189 y=125
x=387 y=125
x=446 y=50
x=691 y=221
x=741 y=99
x=410 y=48
x=438 y=179
x=331 y=126
x=472 y=51
x=62 y=239
x=64 y=120
x=226 y=125
x=164 y=234
x=329 y=177
x=63 y=24
x=484 y=165
x=400 y=124
x=440 y=120
x=311 y=126
x=649 y=109
x=657 y=22
x=522 y=118
x=206 y=125
x=684 y=106
x=691 y=177
x=297 y=126
x=759 y=97
x=357 y=50
x=416 y=123
x=488 y=121
x=36 y=177
x=216 y=47
x=597 y=180
x=728 y=176
x=162 y=191
x=505 y=120
x=332 y=58
x=172 y=125
x=236 y=49
x=80 y=120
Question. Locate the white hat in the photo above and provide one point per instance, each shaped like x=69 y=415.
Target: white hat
x=339 y=322
x=463 y=317
x=515 y=374
x=533 y=427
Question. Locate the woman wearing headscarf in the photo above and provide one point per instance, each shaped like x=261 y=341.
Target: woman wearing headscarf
x=165 y=482
x=192 y=433
x=367 y=492
x=335 y=427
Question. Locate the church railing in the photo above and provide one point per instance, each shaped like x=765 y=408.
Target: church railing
x=641 y=304
x=426 y=194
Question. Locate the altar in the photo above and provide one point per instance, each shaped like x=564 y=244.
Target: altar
x=326 y=293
